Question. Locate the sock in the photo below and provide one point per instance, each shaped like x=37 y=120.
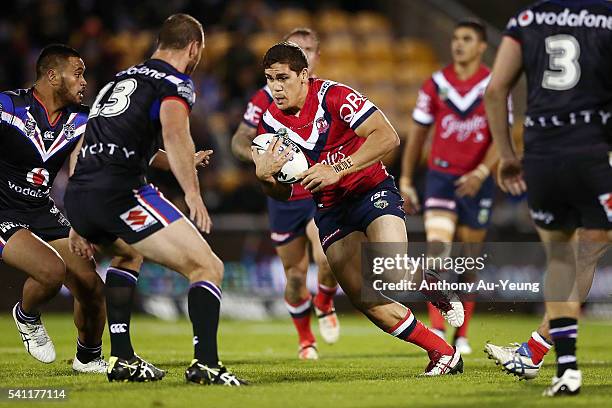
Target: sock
x=538 y=346
x=300 y=314
x=25 y=317
x=204 y=304
x=119 y=290
x=413 y=331
x=468 y=309
x=435 y=318
x=563 y=332
x=324 y=300
x=86 y=353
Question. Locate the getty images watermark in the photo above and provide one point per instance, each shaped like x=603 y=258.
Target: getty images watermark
x=487 y=272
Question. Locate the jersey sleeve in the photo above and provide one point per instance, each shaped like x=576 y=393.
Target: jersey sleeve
x=256 y=107
x=349 y=105
x=180 y=89
x=514 y=27
x=425 y=110
x=7 y=109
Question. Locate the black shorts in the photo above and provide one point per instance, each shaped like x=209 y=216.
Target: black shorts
x=570 y=191
x=47 y=222
x=102 y=216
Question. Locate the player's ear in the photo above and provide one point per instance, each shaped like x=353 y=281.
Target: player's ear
x=482 y=46
x=304 y=75
x=53 y=76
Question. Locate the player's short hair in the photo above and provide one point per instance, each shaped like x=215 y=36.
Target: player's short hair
x=286 y=53
x=475 y=25
x=178 y=31
x=304 y=32
x=53 y=56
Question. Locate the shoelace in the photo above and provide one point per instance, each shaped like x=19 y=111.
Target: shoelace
x=39 y=334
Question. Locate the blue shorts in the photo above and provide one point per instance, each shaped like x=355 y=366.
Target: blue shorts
x=474 y=212
x=288 y=219
x=356 y=213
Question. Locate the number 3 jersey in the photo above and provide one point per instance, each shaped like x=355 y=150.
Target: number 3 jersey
x=325 y=130
x=124 y=130
x=33 y=149
x=567 y=58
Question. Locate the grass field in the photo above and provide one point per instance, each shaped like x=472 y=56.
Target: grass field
x=365 y=369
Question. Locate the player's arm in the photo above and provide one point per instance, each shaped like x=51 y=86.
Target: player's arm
x=180 y=150
x=160 y=159
x=267 y=164
x=506 y=72
x=241 y=142
x=411 y=156
x=380 y=137
x=74 y=156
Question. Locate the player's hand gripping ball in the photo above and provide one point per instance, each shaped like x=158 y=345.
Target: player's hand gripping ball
x=294 y=167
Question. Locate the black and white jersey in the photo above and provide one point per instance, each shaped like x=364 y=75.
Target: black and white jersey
x=32 y=148
x=567 y=58
x=124 y=131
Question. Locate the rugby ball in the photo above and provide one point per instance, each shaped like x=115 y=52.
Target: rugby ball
x=293 y=168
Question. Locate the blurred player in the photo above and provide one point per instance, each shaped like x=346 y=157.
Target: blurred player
x=564 y=49
x=459 y=189
x=292 y=225
x=345 y=136
x=112 y=205
x=39 y=130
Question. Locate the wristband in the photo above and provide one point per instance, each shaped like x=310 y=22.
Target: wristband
x=482 y=172
x=343 y=165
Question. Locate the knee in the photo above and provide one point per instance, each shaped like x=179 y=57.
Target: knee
x=132 y=261
x=296 y=276
x=211 y=269
x=53 y=273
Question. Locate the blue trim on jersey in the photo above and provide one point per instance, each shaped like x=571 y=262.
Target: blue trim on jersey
x=364 y=117
x=7 y=103
x=154 y=111
x=464 y=114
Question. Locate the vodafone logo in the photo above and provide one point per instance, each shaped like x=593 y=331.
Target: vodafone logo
x=525 y=18
x=138 y=219
x=38 y=177
x=606 y=202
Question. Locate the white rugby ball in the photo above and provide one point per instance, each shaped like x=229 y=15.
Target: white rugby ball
x=293 y=168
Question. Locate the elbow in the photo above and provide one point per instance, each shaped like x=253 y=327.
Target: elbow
x=494 y=94
x=393 y=140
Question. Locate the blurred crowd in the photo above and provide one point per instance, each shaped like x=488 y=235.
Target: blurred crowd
x=358 y=47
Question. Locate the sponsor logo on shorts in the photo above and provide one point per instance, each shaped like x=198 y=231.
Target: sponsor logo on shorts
x=118 y=328
x=278 y=237
x=483 y=216
x=381 y=204
x=38 y=177
x=543 y=216
x=27 y=191
x=138 y=219
x=6 y=226
x=329 y=236
x=606 y=202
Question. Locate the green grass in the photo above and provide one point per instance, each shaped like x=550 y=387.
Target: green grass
x=365 y=369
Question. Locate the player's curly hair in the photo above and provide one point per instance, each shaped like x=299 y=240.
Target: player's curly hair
x=286 y=53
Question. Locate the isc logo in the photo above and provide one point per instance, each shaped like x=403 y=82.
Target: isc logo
x=378 y=195
x=118 y=328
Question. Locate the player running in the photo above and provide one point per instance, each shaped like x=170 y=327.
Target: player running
x=459 y=189
x=292 y=225
x=39 y=129
x=112 y=206
x=345 y=136
x=564 y=49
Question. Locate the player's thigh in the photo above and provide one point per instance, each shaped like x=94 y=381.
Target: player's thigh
x=312 y=232
x=387 y=228
x=468 y=234
x=180 y=247
x=27 y=252
x=344 y=257
x=294 y=255
x=81 y=276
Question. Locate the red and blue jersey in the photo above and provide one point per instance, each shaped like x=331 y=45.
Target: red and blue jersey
x=325 y=131
x=461 y=137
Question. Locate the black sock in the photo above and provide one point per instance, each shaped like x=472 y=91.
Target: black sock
x=563 y=332
x=119 y=290
x=25 y=317
x=85 y=353
x=204 y=300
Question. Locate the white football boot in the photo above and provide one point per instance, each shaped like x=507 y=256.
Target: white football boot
x=568 y=384
x=514 y=359
x=35 y=339
x=308 y=352
x=463 y=346
x=98 y=366
x=443 y=364
x=329 y=326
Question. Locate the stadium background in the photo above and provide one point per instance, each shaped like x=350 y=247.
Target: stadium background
x=384 y=48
